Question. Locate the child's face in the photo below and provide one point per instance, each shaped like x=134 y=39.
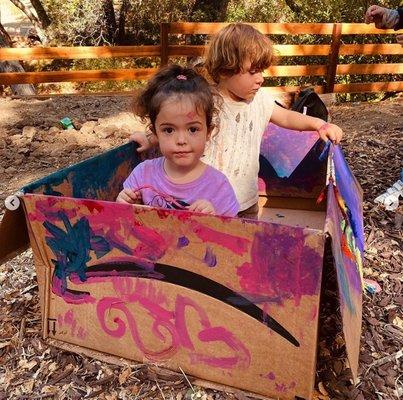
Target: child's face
x=242 y=86
x=182 y=132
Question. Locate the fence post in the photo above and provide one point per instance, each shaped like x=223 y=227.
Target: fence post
x=164 y=30
x=333 y=58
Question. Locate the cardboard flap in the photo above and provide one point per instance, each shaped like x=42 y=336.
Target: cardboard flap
x=13 y=234
x=285 y=148
x=344 y=223
x=100 y=177
x=290 y=164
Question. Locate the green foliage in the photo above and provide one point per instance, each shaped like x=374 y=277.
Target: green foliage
x=83 y=22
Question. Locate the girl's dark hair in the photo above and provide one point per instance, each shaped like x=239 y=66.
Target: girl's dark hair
x=175 y=80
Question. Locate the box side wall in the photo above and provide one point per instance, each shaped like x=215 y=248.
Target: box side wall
x=175 y=288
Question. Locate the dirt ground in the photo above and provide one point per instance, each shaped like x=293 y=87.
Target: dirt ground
x=32 y=145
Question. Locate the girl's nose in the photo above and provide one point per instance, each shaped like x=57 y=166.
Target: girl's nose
x=181 y=138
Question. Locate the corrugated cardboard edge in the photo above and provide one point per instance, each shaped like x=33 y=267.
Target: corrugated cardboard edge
x=43 y=274
x=13 y=234
x=118 y=361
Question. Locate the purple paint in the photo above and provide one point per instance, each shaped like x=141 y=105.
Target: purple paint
x=183 y=241
x=282 y=267
x=209 y=258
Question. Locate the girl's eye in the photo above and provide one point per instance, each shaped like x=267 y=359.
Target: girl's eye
x=168 y=131
x=193 y=129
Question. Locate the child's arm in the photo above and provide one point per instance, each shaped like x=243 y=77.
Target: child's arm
x=146 y=140
x=300 y=122
x=129 y=196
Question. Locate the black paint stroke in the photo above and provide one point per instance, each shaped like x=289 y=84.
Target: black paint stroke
x=199 y=283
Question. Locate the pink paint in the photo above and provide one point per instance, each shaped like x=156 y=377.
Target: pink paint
x=191 y=115
x=93 y=205
x=76 y=298
x=314 y=313
x=68 y=321
x=107 y=304
x=82 y=333
x=241 y=357
x=234 y=243
x=170 y=324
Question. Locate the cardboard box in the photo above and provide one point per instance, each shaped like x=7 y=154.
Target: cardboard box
x=228 y=300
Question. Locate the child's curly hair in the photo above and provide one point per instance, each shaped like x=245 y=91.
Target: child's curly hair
x=233 y=46
x=175 y=80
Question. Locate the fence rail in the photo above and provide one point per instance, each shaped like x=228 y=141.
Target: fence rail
x=329 y=69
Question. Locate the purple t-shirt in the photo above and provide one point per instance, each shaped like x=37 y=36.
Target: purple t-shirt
x=212 y=185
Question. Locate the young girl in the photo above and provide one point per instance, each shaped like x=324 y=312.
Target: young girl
x=179 y=106
x=236 y=58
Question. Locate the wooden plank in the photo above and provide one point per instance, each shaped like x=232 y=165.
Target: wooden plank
x=123 y=93
x=368 y=87
x=281 y=28
x=10 y=78
x=282 y=50
x=333 y=58
x=210 y=28
x=40 y=53
x=269 y=89
x=164 y=30
x=295 y=70
x=302 y=49
x=364 y=29
x=365 y=69
x=290 y=89
x=370 y=49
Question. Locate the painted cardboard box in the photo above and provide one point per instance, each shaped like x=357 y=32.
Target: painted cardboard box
x=228 y=300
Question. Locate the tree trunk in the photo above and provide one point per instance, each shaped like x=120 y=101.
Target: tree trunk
x=41 y=12
x=209 y=10
x=293 y=6
x=35 y=21
x=110 y=20
x=122 y=21
x=13 y=66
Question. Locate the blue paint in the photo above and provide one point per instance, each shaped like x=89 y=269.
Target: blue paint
x=90 y=178
x=351 y=193
x=72 y=247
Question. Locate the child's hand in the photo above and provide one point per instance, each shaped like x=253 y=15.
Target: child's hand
x=129 y=196
x=330 y=131
x=202 y=206
x=143 y=139
x=375 y=14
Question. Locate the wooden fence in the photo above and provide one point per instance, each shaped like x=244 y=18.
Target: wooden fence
x=174 y=37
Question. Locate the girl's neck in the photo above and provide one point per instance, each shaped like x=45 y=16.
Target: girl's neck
x=183 y=175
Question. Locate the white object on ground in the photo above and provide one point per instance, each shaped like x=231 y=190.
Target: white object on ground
x=390 y=199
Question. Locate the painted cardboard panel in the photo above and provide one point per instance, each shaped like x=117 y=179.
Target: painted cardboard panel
x=290 y=164
x=175 y=287
x=100 y=177
x=344 y=223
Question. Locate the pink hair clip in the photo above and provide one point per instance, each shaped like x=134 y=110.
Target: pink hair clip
x=181 y=78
